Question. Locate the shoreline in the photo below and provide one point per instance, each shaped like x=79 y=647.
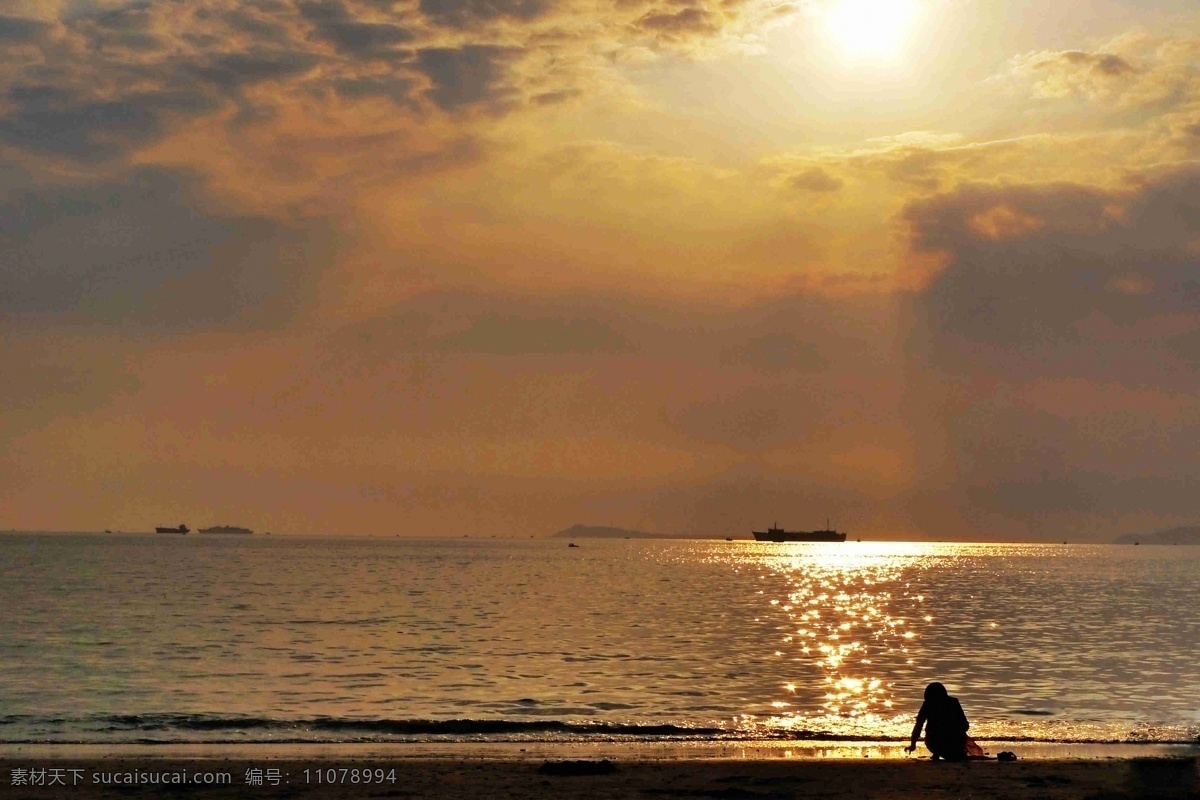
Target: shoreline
x=536 y=778
x=518 y=751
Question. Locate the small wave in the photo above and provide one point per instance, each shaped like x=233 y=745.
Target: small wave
x=163 y=728
x=415 y=727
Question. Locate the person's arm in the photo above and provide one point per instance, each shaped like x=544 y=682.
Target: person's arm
x=916 y=732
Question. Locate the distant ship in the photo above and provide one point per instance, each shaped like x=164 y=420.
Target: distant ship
x=777 y=534
x=225 y=529
x=181 y=529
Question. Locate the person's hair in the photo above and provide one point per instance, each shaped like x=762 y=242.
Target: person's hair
x=935 y=691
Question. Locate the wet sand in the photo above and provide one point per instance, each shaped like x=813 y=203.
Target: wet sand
x=528 y=778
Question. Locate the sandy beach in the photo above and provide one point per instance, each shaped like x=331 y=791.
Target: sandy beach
x=463 y=779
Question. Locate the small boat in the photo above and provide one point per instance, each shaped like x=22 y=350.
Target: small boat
x=572 y=544
x=181 y=529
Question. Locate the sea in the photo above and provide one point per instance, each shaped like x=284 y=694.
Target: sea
x=159 y=639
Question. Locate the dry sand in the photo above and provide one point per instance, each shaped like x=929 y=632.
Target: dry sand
x=467 y=779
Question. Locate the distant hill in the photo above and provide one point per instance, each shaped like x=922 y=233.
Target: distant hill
x=602 y=532
x=1188 y=535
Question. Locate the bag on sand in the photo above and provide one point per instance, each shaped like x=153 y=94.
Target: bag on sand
x=974 y=750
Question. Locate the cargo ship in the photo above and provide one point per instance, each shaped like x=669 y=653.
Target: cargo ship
x=226 y=529
x=777 y=534
x=181 y=529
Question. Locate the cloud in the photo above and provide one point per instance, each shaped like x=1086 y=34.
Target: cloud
x=466 y=76
x=922 y=160
x=144 y=249
x=684 y=21
x=108 y=83
x=816 y=179
x=1052 y=354
x=21 y=30
x=1028 y=265
x=333 y=22
x=103 y=83
x=1136 y=71
x=468 y=13
x=464 y=280
x=237 y=70
x=1059 y=74
x=48 y=120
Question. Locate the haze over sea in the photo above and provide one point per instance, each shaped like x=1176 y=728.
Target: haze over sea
x=144 y=638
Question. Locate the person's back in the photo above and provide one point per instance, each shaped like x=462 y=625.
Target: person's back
x=945 y=724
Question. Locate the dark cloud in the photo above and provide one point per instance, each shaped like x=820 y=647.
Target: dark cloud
x=130 y=28
x=682 y=21
x=259 y=21
x=465 y=13
x=113 y=80
x=465 y=76
x=815 y=180
x=398 y=89
x=140 y=250
x=60 y=121
x=334 y=23
x=1105 y=64
x=144 y=68
x=21 y=30
x=554 y=98
x=235 y=70
x=1027 y=265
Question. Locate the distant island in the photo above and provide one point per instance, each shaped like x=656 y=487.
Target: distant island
x=1186 y=535
x=226 y=529
x=602 y=532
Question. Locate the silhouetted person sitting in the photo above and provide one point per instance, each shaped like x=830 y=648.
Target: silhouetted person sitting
x=946 y=734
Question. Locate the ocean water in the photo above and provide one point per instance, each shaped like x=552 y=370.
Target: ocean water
x=144 y=638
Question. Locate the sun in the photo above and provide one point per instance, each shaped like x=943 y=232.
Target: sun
x=871 y=29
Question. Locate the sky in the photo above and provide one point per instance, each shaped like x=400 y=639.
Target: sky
x=925 y=268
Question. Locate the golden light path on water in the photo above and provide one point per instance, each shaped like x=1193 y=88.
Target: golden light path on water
x=1046 y=642
x=1040 y=641
x=853 y=623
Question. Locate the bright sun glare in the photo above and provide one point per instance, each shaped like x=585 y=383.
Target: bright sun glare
x=871 y=29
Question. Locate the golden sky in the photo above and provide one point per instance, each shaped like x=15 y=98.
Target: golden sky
x=928 y=268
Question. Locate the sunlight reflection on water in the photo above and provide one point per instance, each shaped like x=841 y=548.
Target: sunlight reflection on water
x=849 y=609
x=1022 y=633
